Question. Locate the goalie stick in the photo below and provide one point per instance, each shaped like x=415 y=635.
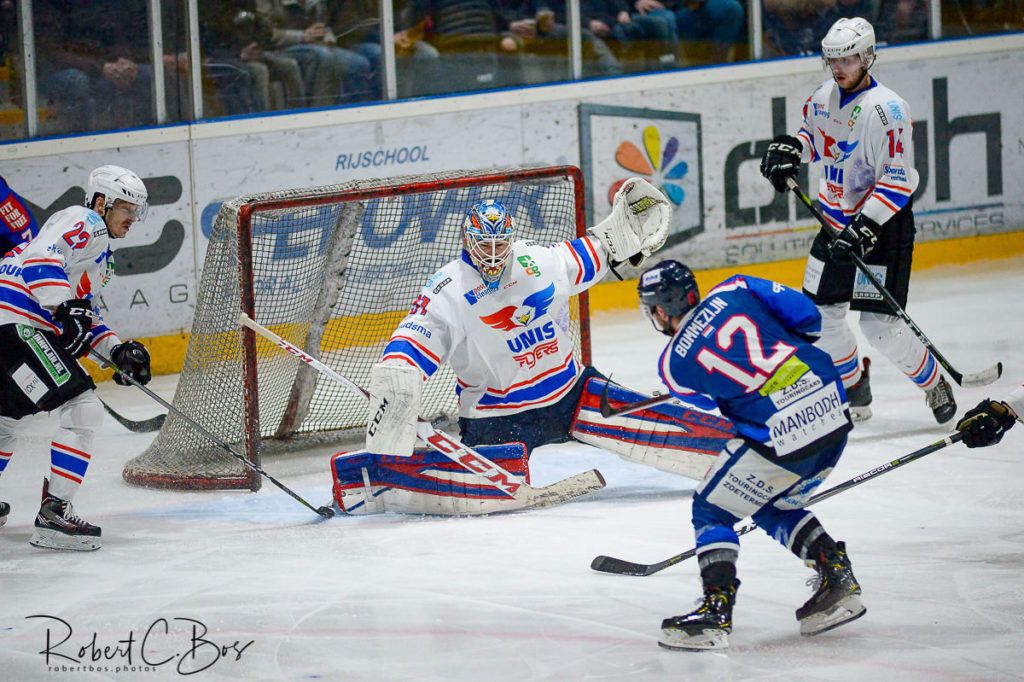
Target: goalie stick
x=607 y=564
x=982 y=378
x=144 y=426
x=607 y=411
x=453 y=448
x=325 y=511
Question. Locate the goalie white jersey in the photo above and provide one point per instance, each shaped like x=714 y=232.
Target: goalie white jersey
x=507 y=344
x=69 y=259
x=864 y=140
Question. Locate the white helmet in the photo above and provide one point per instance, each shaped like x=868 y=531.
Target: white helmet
x=115 y=182
x=850 y=37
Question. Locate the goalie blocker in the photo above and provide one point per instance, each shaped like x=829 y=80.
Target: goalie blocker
x=668 y=436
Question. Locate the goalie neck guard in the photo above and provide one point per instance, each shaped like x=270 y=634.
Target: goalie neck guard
x=487 y=235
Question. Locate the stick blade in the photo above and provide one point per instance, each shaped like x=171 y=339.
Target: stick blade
x=608 y=564
x=982 y=378
x=567 y=489
x=144 y=426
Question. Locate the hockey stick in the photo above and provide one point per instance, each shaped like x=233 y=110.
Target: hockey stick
x=982 y=378
x=607 y=411
x=451 y=447
x=607 y=564
x=325 y=511
x=144 y=426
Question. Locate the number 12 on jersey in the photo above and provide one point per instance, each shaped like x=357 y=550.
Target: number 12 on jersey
x=762 y=365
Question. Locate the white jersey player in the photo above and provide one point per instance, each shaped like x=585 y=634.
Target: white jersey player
x=862 y=134
x=47 y=321
x=499 y=316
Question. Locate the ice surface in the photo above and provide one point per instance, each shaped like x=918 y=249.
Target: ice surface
x=937 y=545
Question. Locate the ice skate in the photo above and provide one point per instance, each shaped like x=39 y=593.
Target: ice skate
x=837 y=598
x=859 y=395
x=58 y=527
x=5 y=509
x=940 y=399
x=707 y=628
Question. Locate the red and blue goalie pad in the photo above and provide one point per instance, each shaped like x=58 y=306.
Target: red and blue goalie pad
x=667 y=425
x=426 y=471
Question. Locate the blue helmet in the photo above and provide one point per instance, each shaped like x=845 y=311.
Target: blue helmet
x=671 y=285
x=487 y=234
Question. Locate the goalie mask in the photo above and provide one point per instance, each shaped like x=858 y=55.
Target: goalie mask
x=487 y=234
x=115 y=182
x=671 y=285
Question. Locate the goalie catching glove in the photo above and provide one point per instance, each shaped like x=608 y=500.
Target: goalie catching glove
x=638 y=223
x=395 y=389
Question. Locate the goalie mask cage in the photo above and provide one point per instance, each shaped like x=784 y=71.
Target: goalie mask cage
x=333 y=270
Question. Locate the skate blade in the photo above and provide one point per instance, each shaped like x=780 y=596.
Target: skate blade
x=52 y=539
x=710 y=639
x=860 y=414
x=3 y=520
x=843 y=612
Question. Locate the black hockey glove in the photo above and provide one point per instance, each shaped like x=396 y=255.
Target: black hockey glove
x=859 y=237
x=986 y=423
x=781 y=161
x=75 y=318
x=132 y=358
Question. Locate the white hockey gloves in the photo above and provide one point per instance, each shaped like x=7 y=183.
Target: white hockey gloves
x=395 y=389
x=638 y=223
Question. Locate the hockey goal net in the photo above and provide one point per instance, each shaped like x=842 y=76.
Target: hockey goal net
x=332 y=270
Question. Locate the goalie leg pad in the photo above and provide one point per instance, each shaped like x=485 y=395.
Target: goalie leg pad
x=668 y=436
x=427 y=482
x=395 y=389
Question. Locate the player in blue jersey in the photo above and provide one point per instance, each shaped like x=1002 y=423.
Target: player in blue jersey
x=748 y=350
x=17 y=225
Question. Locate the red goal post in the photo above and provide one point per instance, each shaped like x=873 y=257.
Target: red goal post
x=332 y=270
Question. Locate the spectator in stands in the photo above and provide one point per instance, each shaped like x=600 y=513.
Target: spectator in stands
x=541 y=29
x=717 y=22
x=277 y=76
x=647 y=35
x=794 y=27
x=906 y=21
x=468 y=34
x=357 y=27
x=240 y=83
x=91 y=59
x=300 y=29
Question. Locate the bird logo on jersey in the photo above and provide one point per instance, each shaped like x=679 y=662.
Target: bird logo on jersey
x=834 y=149
x=511 y=317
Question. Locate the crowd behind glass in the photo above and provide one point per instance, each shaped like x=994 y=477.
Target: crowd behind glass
x=88 y=65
